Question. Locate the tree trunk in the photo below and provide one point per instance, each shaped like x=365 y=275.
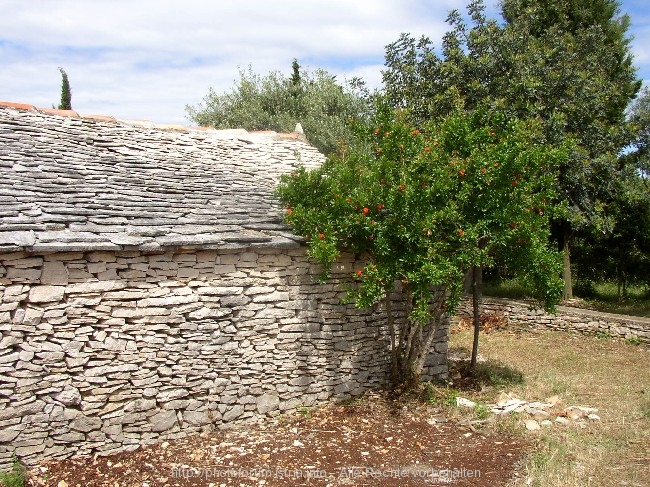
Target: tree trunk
x=566 y=247
x=477 y=292
x=413 y=343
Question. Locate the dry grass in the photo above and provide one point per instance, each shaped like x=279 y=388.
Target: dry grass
x=612 y=376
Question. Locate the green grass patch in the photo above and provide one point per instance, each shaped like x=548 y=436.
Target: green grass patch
x=15 y=477
x=581 y=370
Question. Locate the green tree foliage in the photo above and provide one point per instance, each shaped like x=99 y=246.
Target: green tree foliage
x=425 y=204
x=622 y=255
x=566 y=62
x=66 y=94
x=276 y=102
x=640 y=127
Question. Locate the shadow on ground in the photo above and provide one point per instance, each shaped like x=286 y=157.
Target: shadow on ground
x=489 y=373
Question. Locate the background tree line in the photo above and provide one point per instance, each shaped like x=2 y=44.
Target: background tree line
x=566 y=65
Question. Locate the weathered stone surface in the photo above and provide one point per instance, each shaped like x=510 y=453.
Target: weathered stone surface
x=267 y=402
x=19 y=238
x=95 y=286
x=205 y=312
x=171 y=394
x=141 y=405
x=233 y=413
x=45 y=294
x=196 y=417
x=86 y=424
x=7 y=435
x=54 y=272
x=163 y=421
x=149 y=354
x=70 y=396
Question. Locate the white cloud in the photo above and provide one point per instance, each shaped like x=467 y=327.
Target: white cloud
x=148 y=59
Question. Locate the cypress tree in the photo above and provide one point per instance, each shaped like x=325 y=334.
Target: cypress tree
x=66 y=94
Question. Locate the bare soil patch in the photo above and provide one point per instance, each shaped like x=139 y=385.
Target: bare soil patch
x=372 y=441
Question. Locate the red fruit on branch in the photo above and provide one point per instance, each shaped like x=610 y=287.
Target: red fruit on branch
x=365 y=210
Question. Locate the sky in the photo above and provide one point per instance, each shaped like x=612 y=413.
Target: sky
x=149 y=59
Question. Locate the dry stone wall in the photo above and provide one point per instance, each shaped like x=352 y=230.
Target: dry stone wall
x=105 y=351
x=566 y=318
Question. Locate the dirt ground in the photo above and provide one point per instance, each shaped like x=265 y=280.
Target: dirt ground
x=368 y=442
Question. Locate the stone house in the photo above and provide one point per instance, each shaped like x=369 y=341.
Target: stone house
x=150 y=289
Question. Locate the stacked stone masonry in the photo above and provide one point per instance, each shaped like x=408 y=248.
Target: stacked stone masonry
x=105 y=351
x=566 y=319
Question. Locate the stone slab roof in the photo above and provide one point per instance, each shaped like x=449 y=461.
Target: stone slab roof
x=71 y=182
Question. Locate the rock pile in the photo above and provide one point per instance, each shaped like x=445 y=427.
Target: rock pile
x=543 y=414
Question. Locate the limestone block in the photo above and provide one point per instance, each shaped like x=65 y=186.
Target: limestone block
x=272 y=297
x=163 y=421
x=95 y=286
x=26 y=451
x=187 y=273
x=108 y=275
x=138 y=312
x=32 y=316
x=167 y=301
x=170 y=394
x=267 y=402
x=106 y=369
x=198 y=418
x=233 y=413
x=140 y=405
x=15 y=290
x=259 y=290
x=221 y=290
x=24 y=275
x=54 y=272
x=26 y=355
x=70 y=396
x=248 y=257
x=22 y=238
x=46 y=293
x=70 y=437
x=86 y=423
x=9 y=434
x=228 y=259
x=205 y=312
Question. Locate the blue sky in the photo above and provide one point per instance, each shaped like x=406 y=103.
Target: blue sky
x=146 y=59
